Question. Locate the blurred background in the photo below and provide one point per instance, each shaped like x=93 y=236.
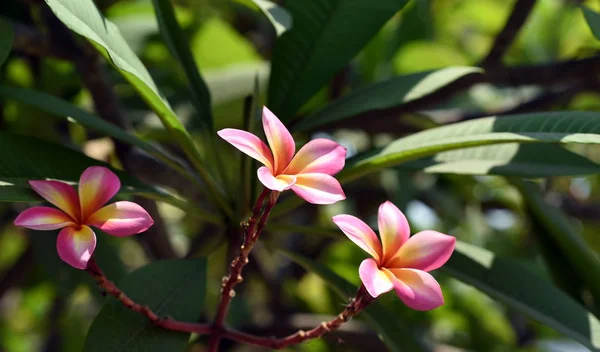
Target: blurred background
x=47 y=306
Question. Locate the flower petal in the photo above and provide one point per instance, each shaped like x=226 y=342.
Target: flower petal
x=280 y=140
x=318 y=156
x=97 y=185
x=393 y=229
x=426 y=250
x=279 y=183
x=76 y=246
x=376 y=281
x=359 y=233
x=60 y=194
x=43 y=218
x=121 y=219
x=318 y=188
x=248 y=144
x=417 y=289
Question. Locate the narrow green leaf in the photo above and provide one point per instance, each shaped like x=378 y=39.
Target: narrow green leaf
x=545 y=127
x=82 y=17
x=520 y=289
x=527 y=160
x=386 y=94
x=559 y=228
x=180 y=49
x=325 y=36
x=173 y=288
x=593 y=20
x=25 y=158
x=7 y=35
x=278 y=16
x=392 y=332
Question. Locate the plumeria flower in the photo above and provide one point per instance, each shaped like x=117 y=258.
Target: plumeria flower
x=78 y=210
x=308 y=173
x=399 y=262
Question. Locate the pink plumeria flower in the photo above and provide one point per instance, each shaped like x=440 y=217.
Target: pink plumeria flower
x=309 y=174
x=399 y=262
x=77 y=211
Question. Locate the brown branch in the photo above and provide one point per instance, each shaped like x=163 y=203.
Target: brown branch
x=362 y=300
x=30 y=41
x=166 y=323
x=504 y=39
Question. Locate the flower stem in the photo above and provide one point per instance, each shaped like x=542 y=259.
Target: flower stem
x=164 y=322
x=252 y=229
x=358 y=303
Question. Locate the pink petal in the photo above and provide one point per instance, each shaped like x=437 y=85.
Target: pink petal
x=280 y=140
x=60 y=194
x=417 y=289
x=97 y=185
x=376 y=281
x=318 y=156
x=359 y=233
x=279 y=183
x=76 y=246
x=248 y=144
x=43 y=218
x=318 y=188
x=121 y=219
x=426 y=250
x=393 y=229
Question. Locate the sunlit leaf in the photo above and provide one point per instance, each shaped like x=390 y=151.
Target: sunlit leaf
x=277 y=15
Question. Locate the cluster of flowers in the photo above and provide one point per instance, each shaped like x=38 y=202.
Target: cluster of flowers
x=398 y=262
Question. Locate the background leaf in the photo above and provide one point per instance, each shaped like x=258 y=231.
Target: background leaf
x=385 y=94
x=321 y=42
x=517 y=287
x=173 y=288
x=25 y=158
x=279 y=17
x=7 y=36
x=593 y=20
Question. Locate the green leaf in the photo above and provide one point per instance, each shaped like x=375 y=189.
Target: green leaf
x=278 y=16
x=559 y=228
x=326 y=35
x=7 y=36
x=82 y=17
x=593 y=20
x=25 y=158
x=385 y=94
x=391 y=331
x=173 y=288
x=527 y=160
x=546 y=127
x=180 y=49
x=520 y=289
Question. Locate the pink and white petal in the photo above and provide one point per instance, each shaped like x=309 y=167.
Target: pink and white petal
x=426 y=250
x=393 y=229
x=121 y=219
x=417 y=289
x=43 y=218
x=280 y=140
x=279 y=183
x=359 y=233
x=318 y=188
x=97 y=185
x=60 y=194
x=376 y=281
x=76 y=246
x=318 y=156
x=248 y=144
